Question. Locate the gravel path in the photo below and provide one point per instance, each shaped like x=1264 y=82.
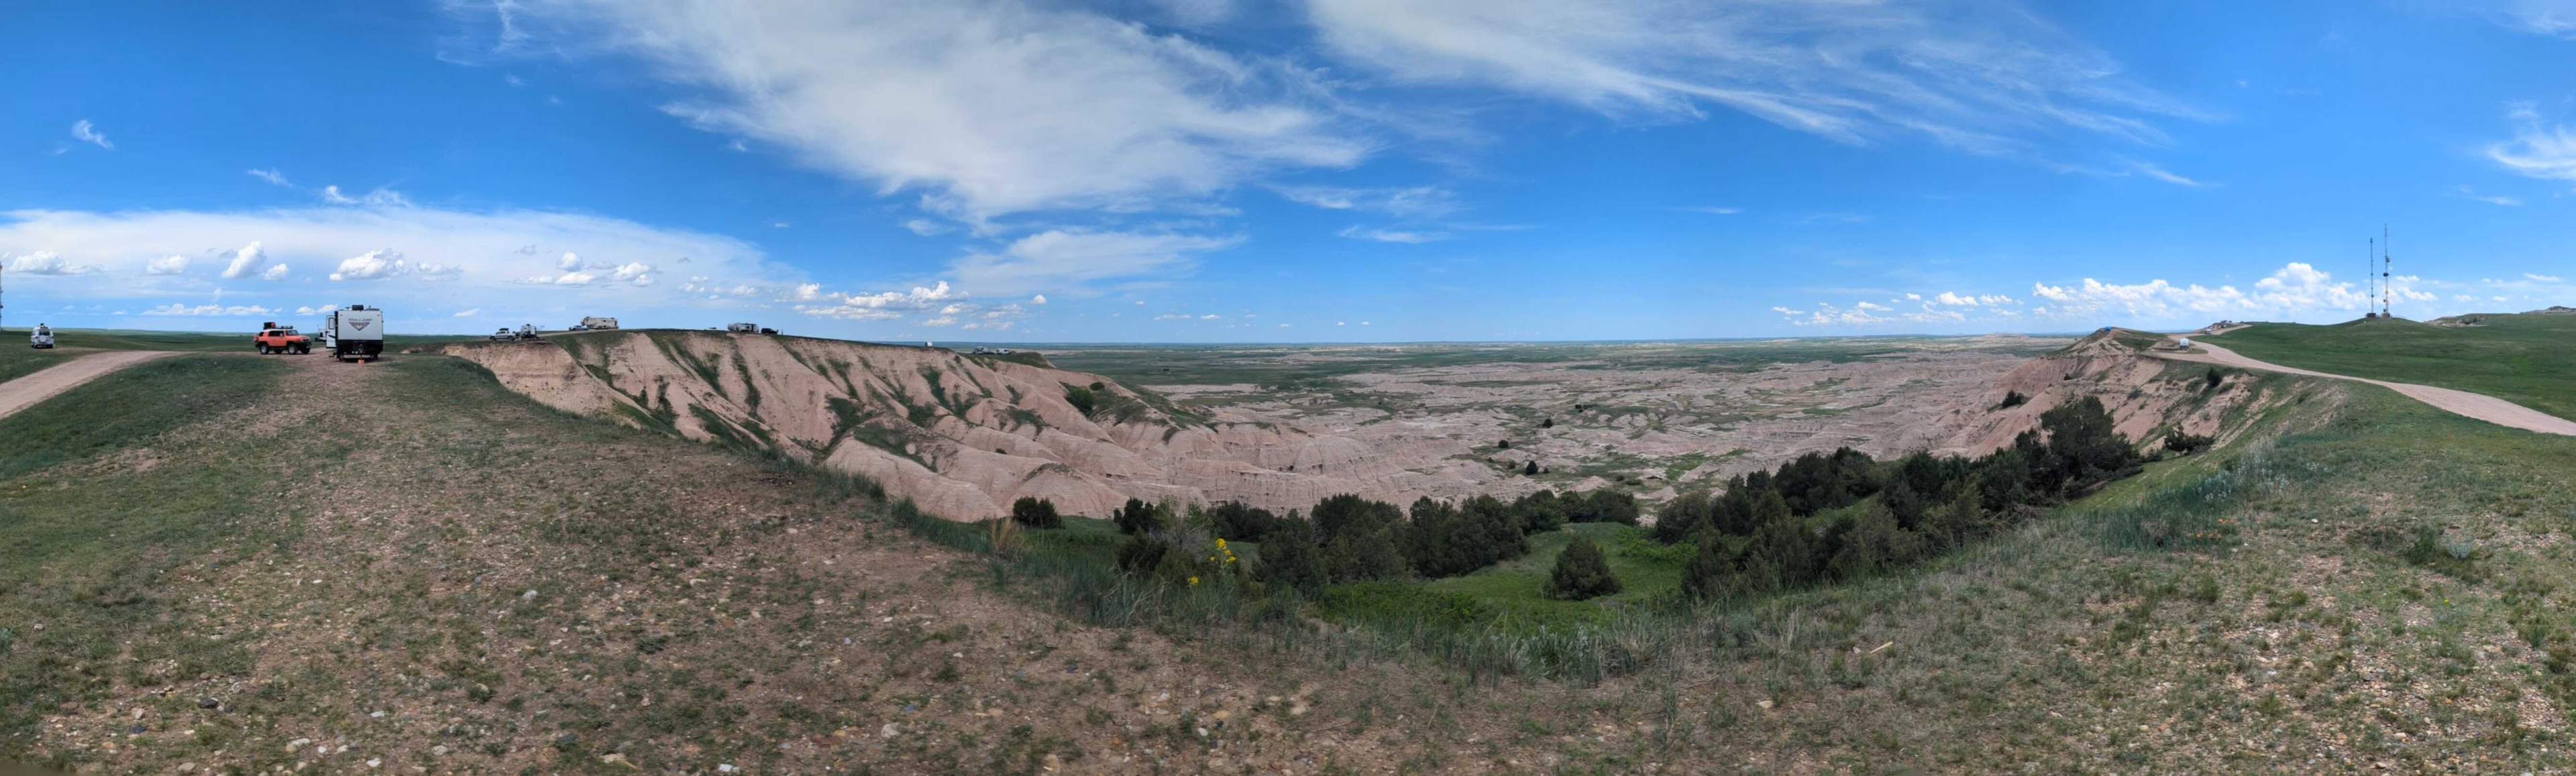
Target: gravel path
x=2462 y=403
x=26 y=391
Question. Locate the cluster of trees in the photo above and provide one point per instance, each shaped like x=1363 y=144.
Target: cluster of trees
x=1348 y=538
x=1763 y=534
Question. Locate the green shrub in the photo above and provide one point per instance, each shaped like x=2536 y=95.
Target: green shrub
x=1581 y=572
x=1036 y=513
x=2012 y=399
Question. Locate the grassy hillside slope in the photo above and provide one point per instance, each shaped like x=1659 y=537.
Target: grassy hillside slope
x=2525 y=359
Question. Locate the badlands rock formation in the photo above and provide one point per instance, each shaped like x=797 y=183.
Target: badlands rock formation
x=961 y=435
x=965 y=435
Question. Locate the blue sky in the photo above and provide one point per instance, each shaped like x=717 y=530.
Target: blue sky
x=1304 y=171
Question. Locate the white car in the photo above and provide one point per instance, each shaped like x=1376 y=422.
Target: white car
x=43 y=339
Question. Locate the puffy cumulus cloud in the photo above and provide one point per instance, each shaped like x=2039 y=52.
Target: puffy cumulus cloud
x=1070 y=260
x=1954 y=300
x=570 y=261
x=245 y=260
x=386 y=263
x=481 y=257
x=1039 y=299
x=2297 y=287
x=167 y=265
x=316 y=310
x=176 y=309
x=565 y=279
x=989 y=106
x=944 y=320
x=276 y=272
x=2537 y=150
x=2542 y=278
x=885 y=306
x=43 y=263
x=469 y=313
x=1983 y=78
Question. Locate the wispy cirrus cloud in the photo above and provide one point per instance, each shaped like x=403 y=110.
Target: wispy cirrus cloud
x=86 y=132
x=2538 y=149
x=1978 y=77
x=989 y=107
x=1072 y=261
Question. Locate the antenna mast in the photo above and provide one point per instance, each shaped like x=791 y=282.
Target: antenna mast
x=2384 y=261
x=2371 y=288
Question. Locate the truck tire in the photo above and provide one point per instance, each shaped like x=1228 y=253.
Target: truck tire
x=263 y=349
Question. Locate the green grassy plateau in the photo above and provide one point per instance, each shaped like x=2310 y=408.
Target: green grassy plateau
x=2526 y=359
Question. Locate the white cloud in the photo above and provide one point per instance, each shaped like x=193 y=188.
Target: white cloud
x=927 y=228
x=175 y=308
x=465 y=313
x=386 y=263
x=1714 y=211
x=1976 y=77
x=43 y=263
x=637 y=273
x=167 y=265
x=991 y=106
x=570 y=261
x=2297 y=287
x=2556 y=18
x=273 y=177
x=376 y=198
x=2545 y=152
x=244 y=260
x=2161 y=174
x=1392 y=235
x=2542 y=278
x=276 y=272
x=2472 y=195
x=1068 y=260
x=1868 y=306
x=1406 y=202
x=944 y=320
x=1954 y=300
x=1039 y=299
x=316 y=310
x=883 y=306
x=476 y=255
x=86 y=132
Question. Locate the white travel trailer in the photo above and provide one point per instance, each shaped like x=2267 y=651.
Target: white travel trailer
x=43 y=339
x=355 y=332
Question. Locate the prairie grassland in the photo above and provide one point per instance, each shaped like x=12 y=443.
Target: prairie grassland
x=247 y=585
x=2524 y=359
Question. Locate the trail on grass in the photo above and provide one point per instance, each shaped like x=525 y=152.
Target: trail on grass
x=26 y=391
x=2463 y=403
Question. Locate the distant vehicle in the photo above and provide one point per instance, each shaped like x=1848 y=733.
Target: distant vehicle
x=992 y=351
x=355 y=332
x=505 y=335
x=43 y=339
x=743 y=328
x=596 y=323
x=273 y=338
x=767 y=330
x=527 y=331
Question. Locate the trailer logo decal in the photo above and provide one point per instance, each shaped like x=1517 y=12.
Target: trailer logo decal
x=359 y=325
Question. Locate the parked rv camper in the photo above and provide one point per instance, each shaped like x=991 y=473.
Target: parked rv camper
x=43 y=339
x=355 y=332
x=596 y=323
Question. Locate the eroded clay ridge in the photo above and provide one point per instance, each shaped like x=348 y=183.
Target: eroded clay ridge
x=962 y=435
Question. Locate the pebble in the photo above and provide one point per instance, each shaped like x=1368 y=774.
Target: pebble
x=531 y=595
x=440 y=750
x=375 y=763
x=208 y=703
x=889 y=731
x=724 y=768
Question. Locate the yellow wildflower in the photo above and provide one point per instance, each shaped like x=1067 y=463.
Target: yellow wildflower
x=1194 y=581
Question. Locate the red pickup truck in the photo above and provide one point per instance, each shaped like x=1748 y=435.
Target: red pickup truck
x=273 y=338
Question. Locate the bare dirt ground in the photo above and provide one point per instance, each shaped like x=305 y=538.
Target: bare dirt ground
x=2457 y=402
x=26 y=391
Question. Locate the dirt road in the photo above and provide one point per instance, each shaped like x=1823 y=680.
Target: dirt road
x=2462 y=403
x=26 y=391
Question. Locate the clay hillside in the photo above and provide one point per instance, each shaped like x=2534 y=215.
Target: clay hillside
x=961 y=435
x=964 y=435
